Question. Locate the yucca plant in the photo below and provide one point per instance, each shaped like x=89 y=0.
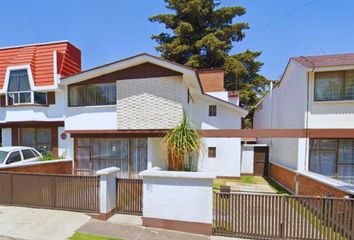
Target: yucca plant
x=182 y=141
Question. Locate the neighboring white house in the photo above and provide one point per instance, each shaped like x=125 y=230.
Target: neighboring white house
x=315 y=94
x=115 y=114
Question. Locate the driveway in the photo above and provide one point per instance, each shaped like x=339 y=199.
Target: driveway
x=38 y=224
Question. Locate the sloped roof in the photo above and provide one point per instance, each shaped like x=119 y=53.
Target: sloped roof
x=40 y=57
x=142 y=58
x=326 y=60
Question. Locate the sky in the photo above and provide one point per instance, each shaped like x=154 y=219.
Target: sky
x=109 y=30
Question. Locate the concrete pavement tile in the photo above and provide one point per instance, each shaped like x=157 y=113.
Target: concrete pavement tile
x=39 y=224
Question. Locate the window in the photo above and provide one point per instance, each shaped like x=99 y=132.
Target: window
x=92 y=94
x=14 y=157
x=40 y=98
x=130 y=155
x=19 y=90
x=3 y=155
x=212 y=152
x=334 y=86
x=212 y=110
x=333 y=158
x=38 y=138
x=27 y=154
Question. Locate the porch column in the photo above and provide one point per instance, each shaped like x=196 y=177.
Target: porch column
x=108 y=191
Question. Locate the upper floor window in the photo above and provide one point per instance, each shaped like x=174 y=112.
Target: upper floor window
x=212 y=110
x=92 y=94
x=333 y=86
x=19 y=90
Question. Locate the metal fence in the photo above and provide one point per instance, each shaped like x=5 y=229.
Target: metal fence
x=130 y=196
x=77 y=193
x=282 y=217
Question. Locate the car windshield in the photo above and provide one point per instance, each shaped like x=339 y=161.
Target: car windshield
x=3 y=155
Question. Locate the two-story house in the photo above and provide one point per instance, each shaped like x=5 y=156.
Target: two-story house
x=115 y=114
x=315 y=97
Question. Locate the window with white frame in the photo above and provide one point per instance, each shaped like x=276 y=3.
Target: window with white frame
x=19 y=90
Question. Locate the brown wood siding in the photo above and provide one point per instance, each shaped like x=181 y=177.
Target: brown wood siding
x=54 y=135
x=34 y=124
x=51 y=98
x=116 y=133
x=144 y=70
x=237 y=133
x=14 y=136
x=2 y=100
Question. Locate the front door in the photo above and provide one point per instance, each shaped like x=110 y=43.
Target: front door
x=260 y=161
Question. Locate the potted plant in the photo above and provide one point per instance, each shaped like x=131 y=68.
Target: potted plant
x=181 y=142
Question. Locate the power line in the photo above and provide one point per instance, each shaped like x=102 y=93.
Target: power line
x=284 y=16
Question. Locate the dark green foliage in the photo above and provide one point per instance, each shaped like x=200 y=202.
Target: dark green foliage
x=201 y=35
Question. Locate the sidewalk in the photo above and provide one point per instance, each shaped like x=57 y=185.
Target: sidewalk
x=38 y=224
x=127 y=228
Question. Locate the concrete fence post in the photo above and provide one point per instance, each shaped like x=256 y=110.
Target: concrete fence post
x=108 y=191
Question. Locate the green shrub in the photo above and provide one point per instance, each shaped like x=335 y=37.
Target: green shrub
x=47 y=156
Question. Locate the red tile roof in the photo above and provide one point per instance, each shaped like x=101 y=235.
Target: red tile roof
x=40 y=58
x=326 y=60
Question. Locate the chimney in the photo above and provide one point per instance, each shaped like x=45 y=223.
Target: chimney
x=212 y=80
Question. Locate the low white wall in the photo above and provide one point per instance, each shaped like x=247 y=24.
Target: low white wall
x=247 y=159
x=178 y=196
x=227 y=162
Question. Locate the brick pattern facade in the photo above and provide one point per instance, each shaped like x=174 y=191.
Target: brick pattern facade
x=62 y=167
x=150 y=103
x=306 y=185
x=283 y=176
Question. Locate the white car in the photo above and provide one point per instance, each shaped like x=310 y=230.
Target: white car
x=18 y=155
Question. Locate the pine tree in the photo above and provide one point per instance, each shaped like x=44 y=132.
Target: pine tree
x=201 y=35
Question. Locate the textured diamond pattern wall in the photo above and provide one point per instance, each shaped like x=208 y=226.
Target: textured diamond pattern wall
x=151 y=103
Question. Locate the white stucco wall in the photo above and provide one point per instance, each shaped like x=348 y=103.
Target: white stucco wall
x=228 y=157
x=329 y=114
x=284 y=151
x=156 y=155
x=65 y=147
x=53 y=112
x=180 y=196
x=6 y=137
x=247 y=160
x=150 y=103
x=284 y=108
x=224 y=95
x=226 y=118
x=287 y=107
x=91 y=118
